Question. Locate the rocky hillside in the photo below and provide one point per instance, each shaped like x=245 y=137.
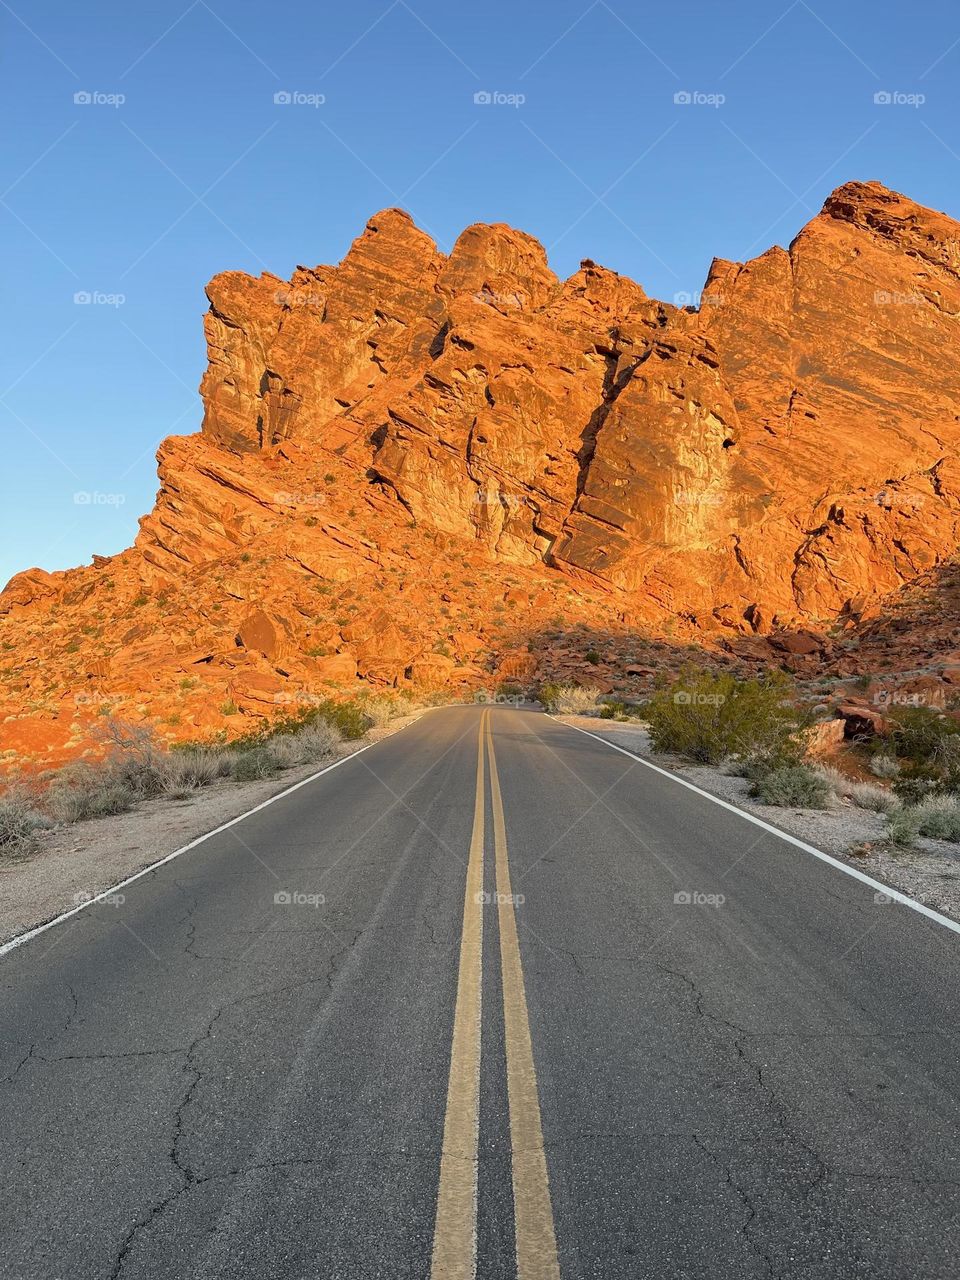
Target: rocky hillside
x=416 y=469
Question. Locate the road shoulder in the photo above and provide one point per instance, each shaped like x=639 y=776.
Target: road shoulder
x=930 y=874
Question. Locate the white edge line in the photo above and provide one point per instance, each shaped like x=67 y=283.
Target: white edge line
x=886 y=889
x=20 y=939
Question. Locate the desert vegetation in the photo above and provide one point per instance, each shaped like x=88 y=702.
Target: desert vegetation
x=758 y=728
x=135 y=768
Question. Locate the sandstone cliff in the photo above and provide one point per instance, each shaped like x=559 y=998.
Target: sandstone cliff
x=420 y=469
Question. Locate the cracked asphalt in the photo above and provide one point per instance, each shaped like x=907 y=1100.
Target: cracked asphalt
x=760 y=1081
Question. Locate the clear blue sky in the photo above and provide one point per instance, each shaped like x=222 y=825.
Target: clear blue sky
x=198 y=170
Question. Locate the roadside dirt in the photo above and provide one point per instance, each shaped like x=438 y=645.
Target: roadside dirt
x=930 y=873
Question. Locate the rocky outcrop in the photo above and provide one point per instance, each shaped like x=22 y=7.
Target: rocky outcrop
x=413 y=467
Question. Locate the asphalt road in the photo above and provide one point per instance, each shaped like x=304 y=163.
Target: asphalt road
x=490 y=1030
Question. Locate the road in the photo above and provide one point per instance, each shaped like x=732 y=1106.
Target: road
x=489 y=998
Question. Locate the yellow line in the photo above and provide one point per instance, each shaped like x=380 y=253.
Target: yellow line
x=455 y=1232
x=533 y=1213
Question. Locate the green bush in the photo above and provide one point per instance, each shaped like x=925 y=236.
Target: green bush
x=708 y=718
x=926 y=737
x=916 y=781
x=793 y=785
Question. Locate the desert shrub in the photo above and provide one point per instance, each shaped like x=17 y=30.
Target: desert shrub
x=884 y=765
x=904 y=827
x=794 y=784
x=313 y=742
x=349 y=719
x=867 y=795
x=379 y=711
x=20 y=820
x=916 y=781
x=318 y=740
x=939 y=818
x=709 y=717
x=86 y=791
x=838 y=783
x=925 y=736
x=183 y=772
x=569 y=699
x=255 y=764
x=612 y=710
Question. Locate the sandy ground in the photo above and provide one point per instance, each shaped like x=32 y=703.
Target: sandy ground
x=84 y=858
x=930 y=873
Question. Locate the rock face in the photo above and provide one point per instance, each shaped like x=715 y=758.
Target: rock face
x=413 y=467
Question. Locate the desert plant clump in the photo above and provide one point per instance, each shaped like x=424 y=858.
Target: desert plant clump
x=884 y=765
x=794 y=785
x=569 y=699
x=708 y=718
x=867 y=795
x=939 y=818
x=904 y=827
x=84 y=791
x=916 y=781
x=255 y=764
x=20 y=821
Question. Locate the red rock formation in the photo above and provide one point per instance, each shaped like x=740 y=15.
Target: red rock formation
x=417 y=469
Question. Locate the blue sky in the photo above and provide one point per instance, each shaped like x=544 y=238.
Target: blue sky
x=198 y=170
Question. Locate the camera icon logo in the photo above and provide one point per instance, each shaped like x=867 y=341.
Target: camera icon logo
x=83 y=98
x=883 y=98
x=683 y=898
x=683 y=98
x=282 y=98
x=282 y=898
x=483 y=98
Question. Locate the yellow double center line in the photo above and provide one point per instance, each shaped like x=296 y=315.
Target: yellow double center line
x=455 y=1233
